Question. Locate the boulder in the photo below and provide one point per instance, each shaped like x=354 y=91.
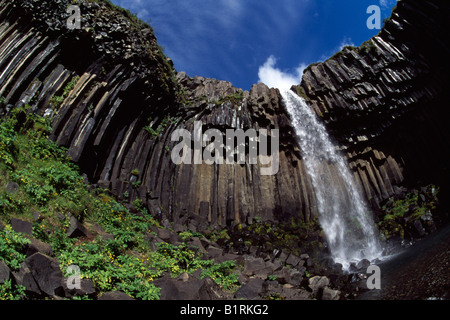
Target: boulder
x=38 y=246
x=295 y=294
x=37 y=216
x=46 y=273
x=22 y=226
x=25 y=278
x=188 y=288
x=283 y=275
x=293 y=260
x=179 y=228
x=5 y=272
x=253 y=265
x=317 y=283
x=12 y=187
x=164 y=234
x=197 y=244
x=296 y=277
x=363 y=264
x=330 y=294
x=419 y=228
x=253 y=289
x=76 y=229
x=210 y=290
x=115 y=295
x=214 y=253
x=86 y=288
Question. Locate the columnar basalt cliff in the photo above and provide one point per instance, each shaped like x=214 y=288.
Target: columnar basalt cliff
x=385 y=101
x=115 y=100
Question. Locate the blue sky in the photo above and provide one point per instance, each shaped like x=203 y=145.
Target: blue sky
x=247 y=41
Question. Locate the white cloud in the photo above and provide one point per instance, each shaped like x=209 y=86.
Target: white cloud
x=137 y=7
x=276 y=78
x=346 y=42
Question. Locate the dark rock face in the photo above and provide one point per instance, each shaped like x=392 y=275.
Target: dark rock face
x=189 y=288
x=21 y=226
x=46 y=273
x=117 y=108
x=385 y=104
x=115 y=295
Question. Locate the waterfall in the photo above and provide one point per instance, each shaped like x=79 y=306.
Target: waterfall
x=343 y=215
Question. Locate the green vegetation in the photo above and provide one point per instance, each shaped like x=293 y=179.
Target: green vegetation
x=11 y=252
x=162 y=125
x=235 y=98
x=56 y=101
x=400 y=214
x=47 y=182
x=296 y=236
x=301 y=92
x=132 y=17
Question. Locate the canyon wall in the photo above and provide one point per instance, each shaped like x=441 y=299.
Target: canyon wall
x=115 y=100
x=385 y=103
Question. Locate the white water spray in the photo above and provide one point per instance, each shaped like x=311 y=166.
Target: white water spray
x=343 y=215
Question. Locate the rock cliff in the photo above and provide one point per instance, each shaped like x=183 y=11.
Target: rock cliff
x=115 y=101
x=385 y=104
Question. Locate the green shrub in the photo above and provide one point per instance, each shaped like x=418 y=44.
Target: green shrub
x=12 y=245
x=10 y=291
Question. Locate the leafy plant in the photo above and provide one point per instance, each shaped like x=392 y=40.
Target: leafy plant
x=10 y=291
x=12 y=245
x=56 y=101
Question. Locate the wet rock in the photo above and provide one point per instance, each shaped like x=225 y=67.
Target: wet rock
x=317 y=283
x=363 y=264
x=419 y=228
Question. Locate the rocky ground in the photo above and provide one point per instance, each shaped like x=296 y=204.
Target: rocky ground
x=277 y=276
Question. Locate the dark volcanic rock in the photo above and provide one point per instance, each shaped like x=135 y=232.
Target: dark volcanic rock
x=189 y=288
x=22 y=226
x=5 y=272
x=76 y=229
x=114 y=295
x=46 y=273
x=384 y=104
x=253 y=289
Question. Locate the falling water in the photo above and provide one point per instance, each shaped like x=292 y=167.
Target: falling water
x=343 y=215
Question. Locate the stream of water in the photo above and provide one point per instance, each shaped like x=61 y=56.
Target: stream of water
x=343 y=214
